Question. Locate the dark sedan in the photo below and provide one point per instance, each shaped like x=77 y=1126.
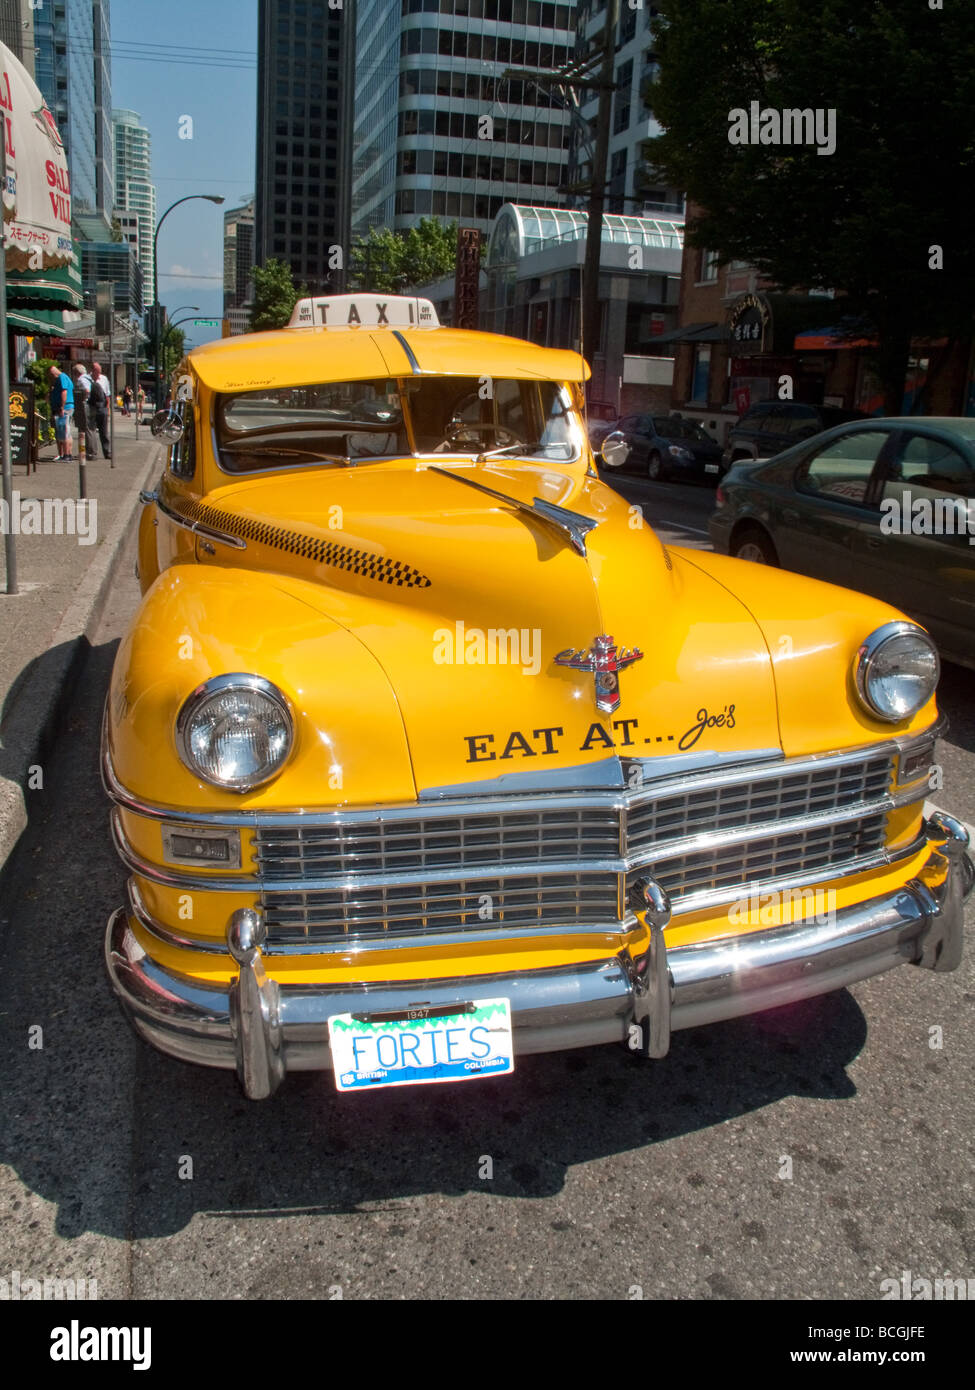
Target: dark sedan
x=886 y=506
x=666 y=446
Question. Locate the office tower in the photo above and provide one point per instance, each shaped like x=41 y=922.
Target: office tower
x=439 y=129
x=305 y=56
x=17 y=30
x=73 y=71
x=135 y=193
x=238 y=256
x=631 y=187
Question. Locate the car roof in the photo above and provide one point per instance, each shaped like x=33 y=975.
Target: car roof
x=304 y=356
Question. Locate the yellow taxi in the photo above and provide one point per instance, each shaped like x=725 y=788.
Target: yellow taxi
x=426 y=753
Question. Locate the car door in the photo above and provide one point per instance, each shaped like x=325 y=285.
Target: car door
x=834 y=488
x=918 y=551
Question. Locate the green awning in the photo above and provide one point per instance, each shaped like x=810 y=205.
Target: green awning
x=56 y=288
x=46 y=322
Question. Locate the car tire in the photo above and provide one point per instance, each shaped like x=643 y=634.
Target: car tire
x=752 y=543
x=655 y=468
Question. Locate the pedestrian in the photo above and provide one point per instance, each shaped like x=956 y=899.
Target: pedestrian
x=82 y=410
x=127 y=401
x=101 y=403
x=62 y=407
x=140 y=405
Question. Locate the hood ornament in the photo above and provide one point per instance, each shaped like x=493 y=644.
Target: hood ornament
x=605 y=660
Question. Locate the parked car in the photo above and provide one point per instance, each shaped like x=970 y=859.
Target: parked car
x=769 y=427
x=666 y=446
x=424 y=756
x=886 y=506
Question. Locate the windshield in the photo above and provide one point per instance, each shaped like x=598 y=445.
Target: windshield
x=353 y=421
x=669 y=427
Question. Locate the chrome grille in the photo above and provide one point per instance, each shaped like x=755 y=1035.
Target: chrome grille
x=772 y=857
x=411 y=909
x=397 y=874
x=738 y=805
x=423 y=843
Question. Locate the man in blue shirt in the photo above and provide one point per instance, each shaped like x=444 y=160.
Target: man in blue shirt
x=62 y=406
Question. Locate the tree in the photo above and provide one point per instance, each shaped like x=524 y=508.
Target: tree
x=391 y=262
x=275 y=295
x=116 y=229
x=887 y=217
x=38 y=372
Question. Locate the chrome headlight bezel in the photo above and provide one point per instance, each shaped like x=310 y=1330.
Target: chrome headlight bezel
x=219 y=685
x=865 y=661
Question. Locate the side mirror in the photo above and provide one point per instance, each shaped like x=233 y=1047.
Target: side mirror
x=167 y=425
x=615 y=450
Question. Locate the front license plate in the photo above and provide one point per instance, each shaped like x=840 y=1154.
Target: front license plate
x=455 y=1042
x=710 y=468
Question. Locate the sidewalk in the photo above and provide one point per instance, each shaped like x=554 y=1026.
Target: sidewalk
x=64 y=580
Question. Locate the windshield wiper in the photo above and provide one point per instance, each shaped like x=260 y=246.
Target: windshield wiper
x=509 y=449
x=571 y=524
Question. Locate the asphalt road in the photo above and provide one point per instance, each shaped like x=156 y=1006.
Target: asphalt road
x=810 y=1152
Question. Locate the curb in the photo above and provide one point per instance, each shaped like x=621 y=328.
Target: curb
x=32 y=725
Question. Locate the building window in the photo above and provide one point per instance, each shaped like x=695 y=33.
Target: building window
x=702 y=372
x=708 y=271
x=621 y=100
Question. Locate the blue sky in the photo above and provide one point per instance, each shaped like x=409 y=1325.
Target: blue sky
x=221 y=101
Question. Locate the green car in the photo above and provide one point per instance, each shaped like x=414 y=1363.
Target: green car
x=886 y=506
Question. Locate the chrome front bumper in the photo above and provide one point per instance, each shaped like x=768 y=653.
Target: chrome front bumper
x=263 y=1030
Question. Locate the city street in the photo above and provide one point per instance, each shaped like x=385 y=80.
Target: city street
x=807 y=1153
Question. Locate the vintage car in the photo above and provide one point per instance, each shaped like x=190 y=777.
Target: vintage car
x=426 y=753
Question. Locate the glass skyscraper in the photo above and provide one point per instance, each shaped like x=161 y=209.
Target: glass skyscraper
x=135 y=193
x=438 y=129
x=305 y=54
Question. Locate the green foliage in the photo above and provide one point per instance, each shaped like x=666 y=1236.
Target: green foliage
x=37 y=372
x=275 y=295
x=116 y=229
x=862 y=220
x=392 y=262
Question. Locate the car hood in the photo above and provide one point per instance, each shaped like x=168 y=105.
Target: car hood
x=465 y=602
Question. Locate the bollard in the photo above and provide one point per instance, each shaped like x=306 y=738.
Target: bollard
x=82 y=487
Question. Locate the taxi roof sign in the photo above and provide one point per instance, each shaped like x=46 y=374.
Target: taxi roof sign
x=364 y=310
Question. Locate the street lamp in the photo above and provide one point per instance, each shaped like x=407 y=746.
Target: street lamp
x=208 y=197
x=175 y=323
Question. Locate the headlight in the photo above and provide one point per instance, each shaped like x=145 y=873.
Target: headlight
x=679 y=452
x=896 y=671
x=235 y=731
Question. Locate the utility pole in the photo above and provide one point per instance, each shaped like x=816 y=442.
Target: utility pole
x=597 y=192
x=581 y=73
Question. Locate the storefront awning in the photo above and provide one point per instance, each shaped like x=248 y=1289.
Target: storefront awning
x=693 y=333
x=820 y=339
x=56 y=288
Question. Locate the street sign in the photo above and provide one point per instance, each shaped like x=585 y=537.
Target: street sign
x=206 y=323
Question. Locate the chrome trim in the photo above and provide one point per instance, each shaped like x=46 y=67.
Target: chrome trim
x=866 y=654
x=415 y=367
x=571 y=524
x=612 y=799
x=200 y=528
x=614 y=772
x=152 y=925
x=672 y=849
x=264 y=1033
x=215 y=685
x=943 y=948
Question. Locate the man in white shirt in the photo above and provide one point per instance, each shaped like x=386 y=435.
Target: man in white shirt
x=83 y=417
x=100 y=405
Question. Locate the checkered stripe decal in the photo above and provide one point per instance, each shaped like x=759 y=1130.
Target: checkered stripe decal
x=364 y=563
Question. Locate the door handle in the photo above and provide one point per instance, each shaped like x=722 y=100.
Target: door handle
x=789 y=515
x=873 y=543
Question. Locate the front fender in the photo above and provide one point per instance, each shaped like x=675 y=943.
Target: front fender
x=195 y=623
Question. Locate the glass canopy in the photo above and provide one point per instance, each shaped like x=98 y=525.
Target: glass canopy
x=519 y=231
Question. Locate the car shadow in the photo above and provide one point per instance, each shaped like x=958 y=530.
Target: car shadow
x=110 y=1131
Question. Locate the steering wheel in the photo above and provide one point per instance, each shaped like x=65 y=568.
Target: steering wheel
x=458 y=429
